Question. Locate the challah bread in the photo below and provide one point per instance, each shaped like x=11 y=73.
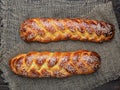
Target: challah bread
x=55 y=64
x=52 y=29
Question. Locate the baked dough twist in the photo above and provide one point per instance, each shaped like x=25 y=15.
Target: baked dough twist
x=52 y=29
x=55 y=64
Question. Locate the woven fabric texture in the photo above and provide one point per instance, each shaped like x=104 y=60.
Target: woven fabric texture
x=14 y=12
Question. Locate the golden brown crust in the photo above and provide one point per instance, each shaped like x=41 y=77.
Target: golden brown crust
x=51 y=29
x=55 y=64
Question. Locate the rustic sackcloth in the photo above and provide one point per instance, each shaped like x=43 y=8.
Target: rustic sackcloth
x=14 y=12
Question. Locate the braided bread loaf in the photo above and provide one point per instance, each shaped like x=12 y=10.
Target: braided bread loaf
x=51 y=29
x=55 y=64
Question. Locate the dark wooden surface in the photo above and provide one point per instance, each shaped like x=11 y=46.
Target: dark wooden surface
x=113 y=85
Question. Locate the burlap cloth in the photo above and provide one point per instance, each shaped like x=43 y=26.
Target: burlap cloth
x=13 y=12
